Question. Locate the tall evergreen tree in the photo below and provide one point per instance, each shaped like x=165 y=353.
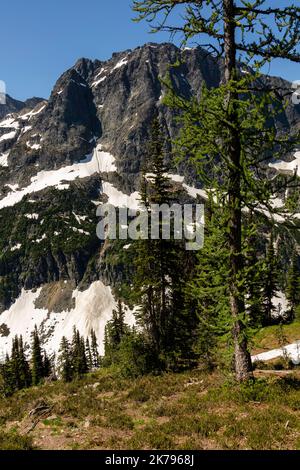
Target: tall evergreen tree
x=159 y=278
x=8 y=385
x=47 y=366
x=79 y=360
x=15 y=370
x=293 y=285
x=94 y=350
x=115 y=330
x=116 y=327
x=65 y=360
x=37 y=368
x=15 y=363
x=230 y=125
x=88 y=353
x=270 y=287
x=24 y=368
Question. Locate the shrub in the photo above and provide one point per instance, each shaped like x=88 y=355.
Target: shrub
x=14 y=441
x=134 y=356
x=139 y=394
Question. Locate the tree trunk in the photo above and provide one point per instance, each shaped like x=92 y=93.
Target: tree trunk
x=243 y=365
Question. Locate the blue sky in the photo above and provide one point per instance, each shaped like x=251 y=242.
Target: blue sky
x=41 y=39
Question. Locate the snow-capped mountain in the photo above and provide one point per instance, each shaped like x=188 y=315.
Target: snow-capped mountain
x=61 y=158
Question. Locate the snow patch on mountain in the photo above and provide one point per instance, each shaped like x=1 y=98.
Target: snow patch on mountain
x=93 y=309
x=33 y=146
x=97 y=82
x=287 y=167
x=119 y=199
x=8 y=136
x=10 y=122
x=98 y=161
x=106 y=161
x=121 y=63
x=4 y=158
x=16 y=247
x=30 y=114
x=21 y=318
x=280 y=303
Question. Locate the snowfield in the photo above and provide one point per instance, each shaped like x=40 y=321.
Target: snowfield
x=33 y=146
x=93 y=308
x=4 y=159
x=292 y=351
x=98 y=162
x=287 y=167
x=121 y=63
x=10 y=122
x=34 y=112
x=8 y=136
x=97 y=82
x=119 y=199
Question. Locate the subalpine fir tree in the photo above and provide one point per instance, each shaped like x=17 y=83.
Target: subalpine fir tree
x=65 y=361
x=210 y=289
x=231 y=125
x=8 y=385
x=95 y=351
x=37 y=367
x=150 y=282
x=15 y=370
x=79 y=360
x=15 y=363
x=24 y=368
x=88 y=354
x=47 y=366
x=159 y=277
x=115 y=330
x=116 y=327
x=270 y=283
x=254 y=273
x=293 y=285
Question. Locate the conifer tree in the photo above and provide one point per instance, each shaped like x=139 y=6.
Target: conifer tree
x=37 y=368
x=24 y=368
x=231 y=125
x=270 y=287
x=254 y=274
x=210 y=288
x=150 y=281
x=15 y=363
x=159 y=277
x=88 y=354
x=8 y=386
x=65 y=360
x=116 y=327
x=79 y=360
x=293 y=285
x=15 y=371
x=115 y=330
x=94 y=350
x=47 y=367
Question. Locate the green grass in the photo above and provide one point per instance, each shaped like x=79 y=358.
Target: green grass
x=191 y=410
x=266 y=338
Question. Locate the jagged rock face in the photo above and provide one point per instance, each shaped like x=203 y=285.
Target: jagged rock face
x=104 y=107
